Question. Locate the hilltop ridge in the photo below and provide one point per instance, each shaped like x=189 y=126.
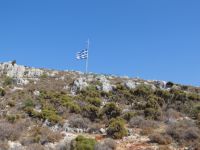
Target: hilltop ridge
x=50 y=109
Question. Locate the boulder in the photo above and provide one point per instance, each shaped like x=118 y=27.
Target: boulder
x=130 y=84
x=106 y=86
x=79 y=84
x=102 y=131
x=36 y=93
x=160 y=84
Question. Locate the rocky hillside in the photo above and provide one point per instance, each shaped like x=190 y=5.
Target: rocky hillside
x=66 y=110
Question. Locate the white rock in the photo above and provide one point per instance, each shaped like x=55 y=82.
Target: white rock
x=130 y=84
x=19 y=73
x=21 y=81
x=66 y=87
x=102 y=130
x=160 y=84
x=15 y=145
x=106 y=86
x=79 y=84
x=36 y=93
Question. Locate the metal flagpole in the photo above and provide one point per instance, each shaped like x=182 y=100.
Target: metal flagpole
x=86 y=65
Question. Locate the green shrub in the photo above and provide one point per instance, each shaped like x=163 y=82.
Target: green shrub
x=143 y=91
x=28 y=103
x=193 y=97
x=116 y=128
x=121 y=94
x=152 y=108
x=128 y=115
x=44 y=76
x=94 y=101
x=82 y=143
x=163 y=94
x=90 y=91
x=91 y=112
x=13 y=62
x=169 y=84
x=73 y=107
x=2 y=92
x=11 y=118
x=178 y=95
x=195 y=112
x=151 y=113
x=51 y=115
x=111 y=110
x=8 y=81
x=160 y=139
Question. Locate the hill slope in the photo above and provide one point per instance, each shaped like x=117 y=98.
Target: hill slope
x=48 y=109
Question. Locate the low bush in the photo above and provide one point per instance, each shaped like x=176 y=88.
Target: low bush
x=2 y=92
x=91 y=112
x=160 y=139
x=8 y=81
x=82 y=143
x=41 y=135
x=171 y=114
x=4 y=145
x=183 y=132
x=35 y=146
x=152 y=108
x=143 y=91
x=90 y=91
x=116 y=128
x=8 y=131
x=107 y=144
x=140 y=122
x=195 y=112
x=51 y=115
x=111 y=110
x=78 y=121
x=169 y=84
x=28 y=103
x=12 y=118
x=94 y=101
x=128 y=115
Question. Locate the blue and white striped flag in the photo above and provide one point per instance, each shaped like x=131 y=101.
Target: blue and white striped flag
x=82 y=54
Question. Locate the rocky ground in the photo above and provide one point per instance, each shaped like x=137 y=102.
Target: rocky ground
x=49 y=109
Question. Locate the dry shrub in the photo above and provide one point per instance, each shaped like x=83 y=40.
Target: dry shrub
x=184 y=132
x=140 y=122
x=146 y=131
x=35 y=147
x=77 y=121
x=108 y=144
x=8 y=131
x=164 y=147
x=3 y=145
x=160 y=139
x=171 y=113
x=41 y=135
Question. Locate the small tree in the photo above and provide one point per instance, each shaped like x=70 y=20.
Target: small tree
x=111 y=110
x=82 y=143
x=116 y=128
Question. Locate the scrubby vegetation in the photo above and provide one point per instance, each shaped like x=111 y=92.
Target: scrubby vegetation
x=82 y=143
x=116 y=128
x=38 y=113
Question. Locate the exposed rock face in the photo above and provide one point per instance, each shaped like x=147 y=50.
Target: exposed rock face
x=130 y=84
x=79 y=84
x=19 y=71
x=106 y=86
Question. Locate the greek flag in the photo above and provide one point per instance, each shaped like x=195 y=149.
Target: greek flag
x=82 y=54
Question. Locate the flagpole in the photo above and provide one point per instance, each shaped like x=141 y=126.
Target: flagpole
x=86 y=65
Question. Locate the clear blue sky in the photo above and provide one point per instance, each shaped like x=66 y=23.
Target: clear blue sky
x=150 y=39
